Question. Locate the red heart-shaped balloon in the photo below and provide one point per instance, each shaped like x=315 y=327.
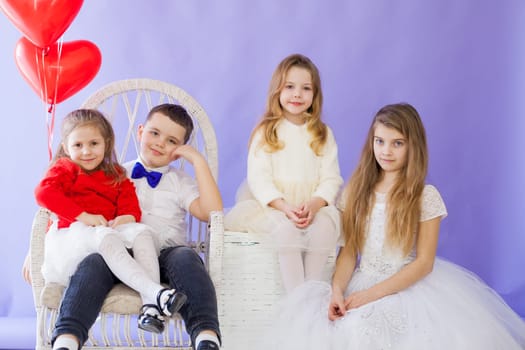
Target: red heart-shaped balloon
x=61 y=70
x=41 y=21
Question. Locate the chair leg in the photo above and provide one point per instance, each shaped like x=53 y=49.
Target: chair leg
x=42 y=342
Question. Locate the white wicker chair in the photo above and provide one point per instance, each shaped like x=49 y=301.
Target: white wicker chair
x=126 y=103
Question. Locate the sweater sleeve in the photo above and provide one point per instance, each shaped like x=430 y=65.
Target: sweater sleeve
x=127 y=202
x=330 y=180
x=260 y=174
x=51 y=191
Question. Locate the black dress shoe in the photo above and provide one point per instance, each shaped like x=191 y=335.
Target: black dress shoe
x=150 y=322
x=174 y=303
x=207 y=345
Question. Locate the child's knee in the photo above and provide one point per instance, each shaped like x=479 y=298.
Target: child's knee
x=181 y=255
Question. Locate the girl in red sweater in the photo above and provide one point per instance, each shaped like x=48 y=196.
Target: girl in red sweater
x=98 y=212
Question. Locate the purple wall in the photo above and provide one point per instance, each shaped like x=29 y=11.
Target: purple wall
x=460 y=63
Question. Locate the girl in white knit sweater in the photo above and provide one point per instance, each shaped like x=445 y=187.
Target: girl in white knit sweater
x=293 y=175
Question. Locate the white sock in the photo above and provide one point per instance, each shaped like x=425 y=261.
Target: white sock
x=323 y=238
x=291 y=264
x=65 y=342
x=292 y=268
x=127 y=269
x=206 y=336
x=145 y=255
x=314 y=265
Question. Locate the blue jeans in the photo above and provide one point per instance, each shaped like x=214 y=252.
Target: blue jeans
x=180 y=267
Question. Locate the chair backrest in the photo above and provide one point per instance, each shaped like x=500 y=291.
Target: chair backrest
x=126 y=104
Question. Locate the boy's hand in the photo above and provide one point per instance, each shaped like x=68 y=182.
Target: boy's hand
x=92 y=219
x=121 y=220
x=187 y=152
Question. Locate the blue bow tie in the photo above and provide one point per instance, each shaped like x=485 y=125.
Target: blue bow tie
x=139 y=171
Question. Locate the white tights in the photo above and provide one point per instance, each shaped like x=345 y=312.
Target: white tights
x=303 y=252
x=140 y=272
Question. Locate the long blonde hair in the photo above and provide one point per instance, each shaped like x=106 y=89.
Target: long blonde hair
x=274 y=111
x=404 y=199
x=94 y=118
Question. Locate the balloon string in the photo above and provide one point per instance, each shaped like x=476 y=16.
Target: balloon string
x=51 y=111
x=50 y=122
x=58 y=71
x=40 y=55
x=44 y=94
x=40 y=71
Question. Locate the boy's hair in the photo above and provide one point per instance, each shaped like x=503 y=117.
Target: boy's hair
x=177 y=114
x=93 y=118
x=404 y=199
x=274 y=111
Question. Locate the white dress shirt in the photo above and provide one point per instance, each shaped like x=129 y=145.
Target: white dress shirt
x=165 y=207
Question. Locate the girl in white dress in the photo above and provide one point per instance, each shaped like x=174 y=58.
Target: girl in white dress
x=389 y=290
x=293 y=175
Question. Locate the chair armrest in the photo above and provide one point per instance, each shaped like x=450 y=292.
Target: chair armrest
x=216 y=248
x=37 y=242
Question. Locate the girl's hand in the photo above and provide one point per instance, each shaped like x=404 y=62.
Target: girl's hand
x=309 y=209
x=121 y=220
x=337 y=308
x=293 y=214
x=92 y=219
x=26 y=268
x=290 y=211
x=360 y=298
x=306 y=214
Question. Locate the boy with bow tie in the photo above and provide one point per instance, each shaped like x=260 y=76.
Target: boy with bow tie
x=165 y=195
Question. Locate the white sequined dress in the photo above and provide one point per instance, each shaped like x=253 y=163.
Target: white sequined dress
x=451 y=308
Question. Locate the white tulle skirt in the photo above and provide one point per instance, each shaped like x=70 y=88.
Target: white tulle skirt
x=449 y=309
x=65 y=248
